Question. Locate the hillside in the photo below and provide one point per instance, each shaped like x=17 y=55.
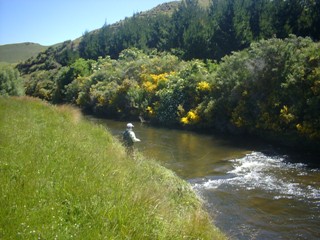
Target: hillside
x=189 y=30
x=165 y=8
x=161 y=9
x=53 y=187
x=14 y=53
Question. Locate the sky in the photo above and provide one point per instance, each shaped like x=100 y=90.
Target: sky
x=48 y=22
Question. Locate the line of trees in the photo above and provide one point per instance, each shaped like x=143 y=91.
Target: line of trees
x=271 y=88
x=206 y=33
x=190 y=32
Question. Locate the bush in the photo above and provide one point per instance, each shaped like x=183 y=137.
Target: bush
x=11 y=84
x=273 y=86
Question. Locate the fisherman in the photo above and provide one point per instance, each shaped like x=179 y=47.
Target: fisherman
x=129 y=138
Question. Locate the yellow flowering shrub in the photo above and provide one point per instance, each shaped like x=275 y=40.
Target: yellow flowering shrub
x=285 y=115
x=191 y=118
x=160 y=77
x=152 y=82
x=150 y=111
x=308 y=130
x=203 y=86
x=149 y=86
x=184 y=120
x=101 y=100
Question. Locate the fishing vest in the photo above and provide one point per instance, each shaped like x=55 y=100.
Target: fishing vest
x=127 y=138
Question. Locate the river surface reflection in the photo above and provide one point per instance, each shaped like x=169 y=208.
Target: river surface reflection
x=251 y=191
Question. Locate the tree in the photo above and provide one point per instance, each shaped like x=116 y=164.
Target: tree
x=11 y=83
x=223 y=34
x=89 y=46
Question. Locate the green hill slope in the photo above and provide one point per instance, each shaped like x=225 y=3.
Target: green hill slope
x=62 y=178
x=14 y=53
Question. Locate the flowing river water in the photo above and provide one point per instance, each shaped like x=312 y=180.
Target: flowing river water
x=249 y=188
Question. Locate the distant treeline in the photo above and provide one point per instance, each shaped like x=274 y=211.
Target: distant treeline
x=206 y=33
x=192 y=31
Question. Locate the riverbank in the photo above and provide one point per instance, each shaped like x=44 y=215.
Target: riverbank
x=62 y=177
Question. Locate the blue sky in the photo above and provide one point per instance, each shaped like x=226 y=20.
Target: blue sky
x=48 y=22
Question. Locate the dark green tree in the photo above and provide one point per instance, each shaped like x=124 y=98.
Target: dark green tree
x=89 y=46
x=223 y=34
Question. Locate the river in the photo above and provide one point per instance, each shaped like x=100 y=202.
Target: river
x=251 y=189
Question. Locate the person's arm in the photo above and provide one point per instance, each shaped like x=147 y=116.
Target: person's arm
x=133 y=137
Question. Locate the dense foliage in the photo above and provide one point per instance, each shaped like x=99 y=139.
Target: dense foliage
x=190 y=31
x=11 y=84
x=193 y=31
x=271 y=87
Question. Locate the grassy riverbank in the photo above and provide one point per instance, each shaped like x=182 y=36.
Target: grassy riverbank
x=62 y=177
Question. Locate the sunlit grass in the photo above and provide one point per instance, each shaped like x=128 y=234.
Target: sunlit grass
x=62 y=178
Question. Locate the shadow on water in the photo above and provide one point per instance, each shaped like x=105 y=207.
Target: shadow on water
x=252 y=189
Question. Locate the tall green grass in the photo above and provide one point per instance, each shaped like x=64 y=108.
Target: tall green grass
x=63 y=178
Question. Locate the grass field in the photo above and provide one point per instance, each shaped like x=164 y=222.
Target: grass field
x=62 y=177
x=14 y=53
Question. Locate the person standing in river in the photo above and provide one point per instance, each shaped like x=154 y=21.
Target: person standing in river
x=129 y=138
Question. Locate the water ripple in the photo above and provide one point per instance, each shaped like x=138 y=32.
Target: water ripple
x=273 y=174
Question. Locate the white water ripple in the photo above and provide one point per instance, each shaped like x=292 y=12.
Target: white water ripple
x=269 y=173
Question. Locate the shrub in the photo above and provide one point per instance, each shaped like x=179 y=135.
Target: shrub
x=11 y=83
